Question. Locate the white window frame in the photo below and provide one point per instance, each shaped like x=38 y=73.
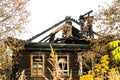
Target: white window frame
x=62 y=71
x=38 y=66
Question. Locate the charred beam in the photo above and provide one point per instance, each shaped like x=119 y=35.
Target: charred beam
x=29 y=40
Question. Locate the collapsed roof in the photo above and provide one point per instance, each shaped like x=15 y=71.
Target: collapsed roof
x=73 y=38
x=70 y=33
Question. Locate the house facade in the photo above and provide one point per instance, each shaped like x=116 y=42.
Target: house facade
x=34 y=58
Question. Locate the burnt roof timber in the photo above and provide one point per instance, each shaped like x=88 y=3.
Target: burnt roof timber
x=66 y=19
x=34 y=37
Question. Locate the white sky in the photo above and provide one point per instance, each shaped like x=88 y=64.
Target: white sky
x=45 y=13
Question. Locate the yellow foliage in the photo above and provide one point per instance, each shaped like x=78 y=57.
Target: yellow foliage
x=2 y=47
x=15 y=44
x=89 y=72
x=103 y=66
x=112 y=75
x=87 y=77
x=102 y=71
x=1 y=66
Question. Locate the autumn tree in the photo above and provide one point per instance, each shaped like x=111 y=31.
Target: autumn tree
x=13 y=19
x=108 y=23
x=108 y=19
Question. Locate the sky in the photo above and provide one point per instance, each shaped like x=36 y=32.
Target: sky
x=45 y=13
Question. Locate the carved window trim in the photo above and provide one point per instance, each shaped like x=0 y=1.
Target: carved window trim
x=37 y=65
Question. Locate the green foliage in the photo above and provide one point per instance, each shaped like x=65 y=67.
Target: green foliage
x=116 y=50
x=114 y=43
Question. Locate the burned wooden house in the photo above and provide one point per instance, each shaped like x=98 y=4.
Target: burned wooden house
x=74 y=40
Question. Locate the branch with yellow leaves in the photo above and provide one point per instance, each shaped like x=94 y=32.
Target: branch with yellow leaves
x=15 y=44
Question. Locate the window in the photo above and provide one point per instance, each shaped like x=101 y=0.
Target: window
x=37 y=65
x=63 y=63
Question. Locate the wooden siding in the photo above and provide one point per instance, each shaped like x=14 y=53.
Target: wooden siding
x=25 y=64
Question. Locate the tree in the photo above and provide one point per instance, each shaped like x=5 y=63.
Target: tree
x=109 y=19
x=108 y=23
x=13 y=19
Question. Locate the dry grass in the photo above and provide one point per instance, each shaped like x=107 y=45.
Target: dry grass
x=22 y=76
x=55 y=67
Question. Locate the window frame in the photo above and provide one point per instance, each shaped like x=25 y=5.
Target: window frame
x=63 y=75
x=42 y=62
